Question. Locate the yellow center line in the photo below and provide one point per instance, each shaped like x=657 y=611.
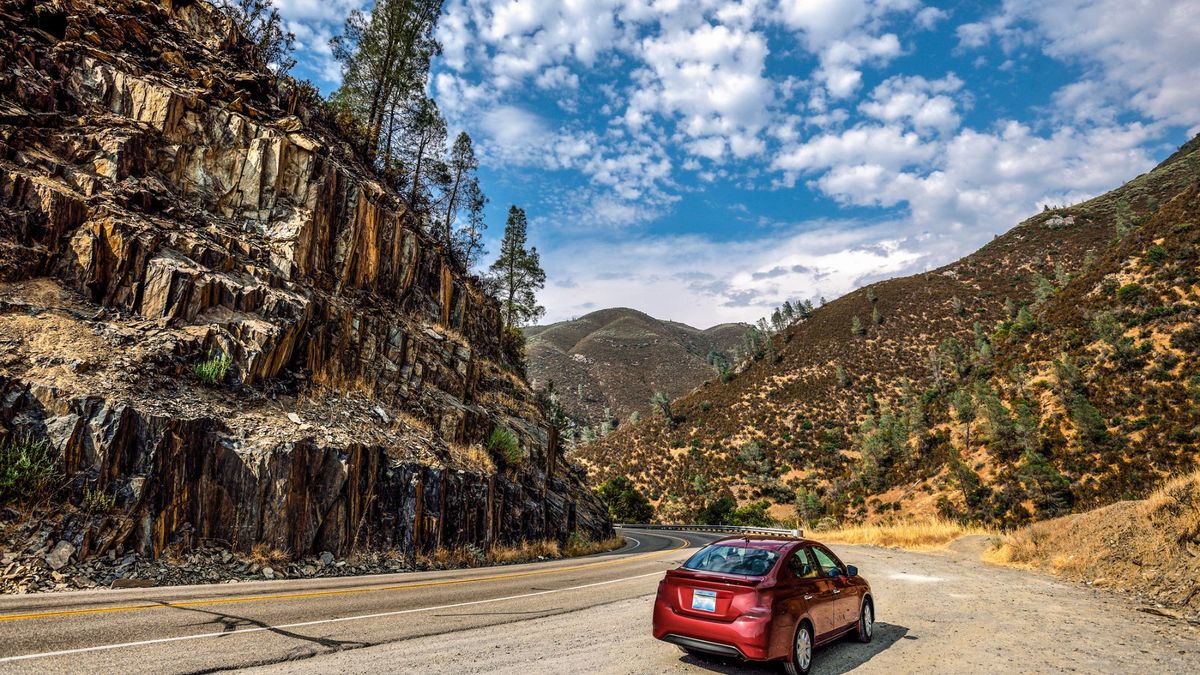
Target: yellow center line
x=347 y=591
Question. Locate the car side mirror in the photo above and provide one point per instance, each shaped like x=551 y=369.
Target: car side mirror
x=851 y=571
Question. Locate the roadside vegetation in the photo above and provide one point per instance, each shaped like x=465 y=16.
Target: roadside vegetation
x=512 y=554
x=913 y=535
x=1150 y=546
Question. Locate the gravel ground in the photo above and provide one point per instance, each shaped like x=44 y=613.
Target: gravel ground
x=939 y=612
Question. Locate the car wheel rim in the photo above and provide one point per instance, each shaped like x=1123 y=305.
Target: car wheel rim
x=868 y=623
x=803 y=649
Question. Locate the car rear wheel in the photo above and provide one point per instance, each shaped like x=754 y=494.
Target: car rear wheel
x=802 y=651
x=866 y=622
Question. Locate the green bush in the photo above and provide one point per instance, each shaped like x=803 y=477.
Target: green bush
x=1130 y=294
x=503 y=445
x=625 y=502
x=1156 y=254
x=213 y=370
x=27 y=468
x=1187 y=339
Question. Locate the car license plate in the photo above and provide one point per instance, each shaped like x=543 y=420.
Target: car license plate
x=705 y=601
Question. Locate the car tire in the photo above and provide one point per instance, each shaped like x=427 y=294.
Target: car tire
x=802 y=651
x=866 y=622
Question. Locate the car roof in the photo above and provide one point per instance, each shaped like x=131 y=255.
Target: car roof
x=760 y=541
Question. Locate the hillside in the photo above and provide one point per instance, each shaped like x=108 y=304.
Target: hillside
x=220 y=327
x=618 y=358
x=952 y=403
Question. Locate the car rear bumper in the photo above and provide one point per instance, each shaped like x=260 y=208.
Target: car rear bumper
x=744 y=638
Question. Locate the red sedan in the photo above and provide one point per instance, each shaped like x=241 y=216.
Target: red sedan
x=763 y=599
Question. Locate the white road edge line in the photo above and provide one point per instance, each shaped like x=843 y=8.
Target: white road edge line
x=140 y=643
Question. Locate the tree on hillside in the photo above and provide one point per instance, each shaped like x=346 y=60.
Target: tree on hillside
x=856 y=326
x=260 y=23
x=660 y=402
x=385 y=56
x=461 y=169
x=625 y=502
x=468 y=239
x=516 y=276
x=420 y=144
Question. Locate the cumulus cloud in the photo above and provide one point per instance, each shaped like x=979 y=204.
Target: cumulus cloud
x=1145 y=52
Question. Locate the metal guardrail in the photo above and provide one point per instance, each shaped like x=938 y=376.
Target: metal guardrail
x=729 y=529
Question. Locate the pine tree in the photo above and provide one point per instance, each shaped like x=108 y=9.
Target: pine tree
x=468 y=240
x=261 y=24
x=385 y=56
x=461 y=166
x=856 y=327
x=516 y=276
x=876 y=317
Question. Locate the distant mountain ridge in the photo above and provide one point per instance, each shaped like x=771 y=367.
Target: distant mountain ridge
x=618 y=358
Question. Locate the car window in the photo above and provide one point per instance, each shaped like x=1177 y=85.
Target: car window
x=801 y=565
x=828 y=567
x=728 y=559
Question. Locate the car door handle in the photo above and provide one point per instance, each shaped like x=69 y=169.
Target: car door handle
x=807 y=596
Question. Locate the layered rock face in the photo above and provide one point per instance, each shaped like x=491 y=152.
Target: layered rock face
x=160 y=206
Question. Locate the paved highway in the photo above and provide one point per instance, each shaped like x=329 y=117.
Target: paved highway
x=938 y=612
x=215 y=627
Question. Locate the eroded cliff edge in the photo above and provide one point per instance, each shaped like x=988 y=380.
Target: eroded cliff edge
x=160 y=204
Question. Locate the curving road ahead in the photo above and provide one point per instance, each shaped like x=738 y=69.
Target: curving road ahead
x=215 y=627
x=938 y=612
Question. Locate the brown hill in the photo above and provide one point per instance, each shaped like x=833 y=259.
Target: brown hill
x=863 y=424
x=617 y=358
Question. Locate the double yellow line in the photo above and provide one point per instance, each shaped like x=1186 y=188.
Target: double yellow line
x=346 y=591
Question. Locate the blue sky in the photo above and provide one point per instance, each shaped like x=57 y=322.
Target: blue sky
x=703 y=160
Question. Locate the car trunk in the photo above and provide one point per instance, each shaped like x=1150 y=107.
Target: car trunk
x=710 y=595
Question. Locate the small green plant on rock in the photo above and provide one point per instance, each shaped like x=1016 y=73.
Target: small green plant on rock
x=503 y=444
x=212 y=371
x=27 y=468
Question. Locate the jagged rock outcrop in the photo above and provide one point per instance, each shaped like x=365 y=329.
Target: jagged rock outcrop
x=160 y=205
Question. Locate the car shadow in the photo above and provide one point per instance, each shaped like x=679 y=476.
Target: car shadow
x=840 y=657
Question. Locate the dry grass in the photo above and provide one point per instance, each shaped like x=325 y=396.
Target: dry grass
x=268 y=556
x=523 y=552
x=914 y=535
x=511 y=554
x=577 y=546
x=1151 y=546
x=473 y=456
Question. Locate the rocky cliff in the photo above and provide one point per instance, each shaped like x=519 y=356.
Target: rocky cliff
x=161 y=206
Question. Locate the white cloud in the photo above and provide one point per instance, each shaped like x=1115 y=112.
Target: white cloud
x=1147 y=52
x=712 y=79
x=923 y=104
x=703 y=281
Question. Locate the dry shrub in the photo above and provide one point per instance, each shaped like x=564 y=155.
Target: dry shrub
x=269 y=556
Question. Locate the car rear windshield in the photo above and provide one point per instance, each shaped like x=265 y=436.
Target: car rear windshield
x=732 y=559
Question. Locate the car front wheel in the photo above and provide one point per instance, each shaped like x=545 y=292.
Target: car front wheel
x=802 y=651
x=866 y=622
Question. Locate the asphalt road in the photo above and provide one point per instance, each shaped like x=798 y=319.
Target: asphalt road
x=938 y=612
x=228 y=626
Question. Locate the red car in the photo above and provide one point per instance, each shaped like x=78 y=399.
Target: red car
x=763 y=599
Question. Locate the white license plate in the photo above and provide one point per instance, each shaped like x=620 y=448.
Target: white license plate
x=705 y=601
